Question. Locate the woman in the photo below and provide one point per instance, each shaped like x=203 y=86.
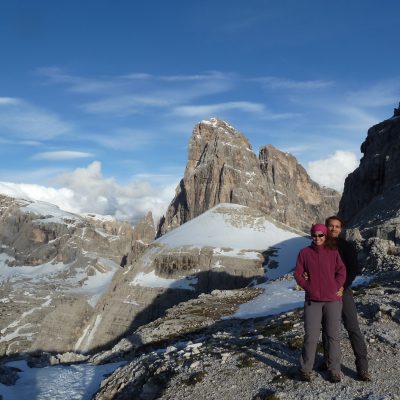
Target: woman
x=321 y=273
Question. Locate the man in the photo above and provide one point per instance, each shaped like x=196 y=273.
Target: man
x=349 y=311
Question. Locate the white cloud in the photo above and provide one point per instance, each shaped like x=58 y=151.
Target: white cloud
x=124 y=104
x=125 y=83
x=354 y=118
x=78 y=84
x=137 y=92
x=124 y=139
x=28 y=121
x=8 y=101
x=61 y=155
x=201 y=111
x=332 y=171
x=381 y=94
x=87 y=190
x=282 y=83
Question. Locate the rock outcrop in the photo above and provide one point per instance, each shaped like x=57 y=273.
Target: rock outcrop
x=143 y=234
x=372 y=189
x=54 y=266
x=370 y=204
x=222 y=168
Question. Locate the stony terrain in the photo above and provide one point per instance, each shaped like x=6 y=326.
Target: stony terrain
x=257 y=358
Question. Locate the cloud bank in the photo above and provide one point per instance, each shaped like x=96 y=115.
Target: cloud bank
x=332 y=171
x=86 y=190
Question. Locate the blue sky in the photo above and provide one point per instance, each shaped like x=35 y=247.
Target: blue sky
x=98 y=99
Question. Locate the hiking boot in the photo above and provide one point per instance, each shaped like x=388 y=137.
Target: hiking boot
x=306 y=376
x=364 y=376
x=335 y=377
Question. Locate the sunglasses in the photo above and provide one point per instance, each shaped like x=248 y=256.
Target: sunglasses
x=319 y=235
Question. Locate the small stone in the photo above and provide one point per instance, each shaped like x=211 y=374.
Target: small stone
x=170 y=349
x=194 y=365
x=225 y=356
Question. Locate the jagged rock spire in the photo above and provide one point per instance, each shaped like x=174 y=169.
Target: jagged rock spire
x=222 y=167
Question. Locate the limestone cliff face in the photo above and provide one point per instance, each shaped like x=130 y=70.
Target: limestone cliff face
x=370 y=204
x=222 y=167
x=293 y=197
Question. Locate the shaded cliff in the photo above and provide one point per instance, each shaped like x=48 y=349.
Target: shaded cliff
x=370 y=204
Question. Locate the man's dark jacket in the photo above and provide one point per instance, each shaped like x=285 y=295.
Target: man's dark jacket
x=348 y=254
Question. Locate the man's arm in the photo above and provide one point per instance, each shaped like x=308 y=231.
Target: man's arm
x=349 y=256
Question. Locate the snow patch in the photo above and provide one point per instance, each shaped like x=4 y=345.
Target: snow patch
x=152 y=280
x=72 y=382
x=278 y=296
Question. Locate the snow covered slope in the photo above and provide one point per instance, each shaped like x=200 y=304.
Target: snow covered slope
x=238 y=231
x=227 y=247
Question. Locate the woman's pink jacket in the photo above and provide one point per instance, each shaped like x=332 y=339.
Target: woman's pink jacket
x=326 y=273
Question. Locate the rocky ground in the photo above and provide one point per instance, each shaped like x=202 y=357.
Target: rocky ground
x=257 y=358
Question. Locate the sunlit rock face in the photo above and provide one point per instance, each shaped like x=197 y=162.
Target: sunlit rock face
x=222 y=168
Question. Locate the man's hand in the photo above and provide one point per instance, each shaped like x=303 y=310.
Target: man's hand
x=305 y=276
x=340 y=292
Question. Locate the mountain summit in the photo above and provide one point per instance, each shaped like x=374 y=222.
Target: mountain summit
x=222 y=168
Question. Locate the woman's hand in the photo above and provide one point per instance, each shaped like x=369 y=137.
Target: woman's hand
x=305 y=276
x=340 y=292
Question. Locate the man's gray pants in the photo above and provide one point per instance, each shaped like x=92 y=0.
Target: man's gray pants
x=314 y=312
x=350 y=322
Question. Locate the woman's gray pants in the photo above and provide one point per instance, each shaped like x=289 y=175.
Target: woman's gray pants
x=314 y=312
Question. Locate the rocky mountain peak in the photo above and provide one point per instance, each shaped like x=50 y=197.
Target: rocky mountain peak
x=222 y=167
